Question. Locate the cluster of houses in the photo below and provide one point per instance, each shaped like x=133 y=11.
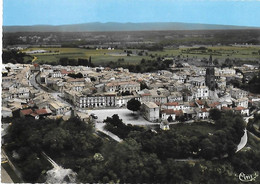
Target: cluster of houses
x=21 y=99
x=186 y=93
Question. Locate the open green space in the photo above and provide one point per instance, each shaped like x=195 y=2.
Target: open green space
x=103 y=56
x=198 y=128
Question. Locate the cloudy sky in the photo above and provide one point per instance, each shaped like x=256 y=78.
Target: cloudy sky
x=58 y=12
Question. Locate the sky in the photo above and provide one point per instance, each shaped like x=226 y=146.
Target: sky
x=60 y=12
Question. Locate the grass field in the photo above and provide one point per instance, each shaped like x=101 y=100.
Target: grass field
x=199 y=128
x=104 y=55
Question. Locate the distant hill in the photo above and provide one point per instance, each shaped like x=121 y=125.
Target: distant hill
x=113 y=26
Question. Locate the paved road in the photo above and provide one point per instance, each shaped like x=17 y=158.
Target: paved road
x=100 y=127
x=243 y=141
x=5 y=178
x=33 y=82
x=57 y=95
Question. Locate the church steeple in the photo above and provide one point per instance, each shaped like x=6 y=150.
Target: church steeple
x=210 y=60
x=210 y=75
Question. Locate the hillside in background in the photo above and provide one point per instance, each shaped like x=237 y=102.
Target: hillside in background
x=112 y=26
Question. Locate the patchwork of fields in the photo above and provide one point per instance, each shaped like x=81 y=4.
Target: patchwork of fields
x=101 y=56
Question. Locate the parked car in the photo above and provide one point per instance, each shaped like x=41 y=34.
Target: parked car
x=94 y=116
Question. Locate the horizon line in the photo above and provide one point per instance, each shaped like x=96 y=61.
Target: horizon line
x=133 y=23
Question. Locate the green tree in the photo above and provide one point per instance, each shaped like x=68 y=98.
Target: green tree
x=133 y=105
x=207 y=149
x=215 y=114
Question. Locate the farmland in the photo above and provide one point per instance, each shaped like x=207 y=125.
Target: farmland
x=102 y=56
x=98 y=56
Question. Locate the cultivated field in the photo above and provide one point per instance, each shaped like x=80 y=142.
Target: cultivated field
x=103 y=56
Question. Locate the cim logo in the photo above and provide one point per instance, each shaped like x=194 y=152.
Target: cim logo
x=247 y=177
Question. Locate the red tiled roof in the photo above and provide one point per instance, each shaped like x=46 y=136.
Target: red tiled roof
x=204 y=110
x=214 y=104
x=199 y=102
x=26 y=111
x=146 y=94
x=33 y=114
x=226 y=108
x=192 y=104
x=178 y=112
x=172 y=104
x=239 y=108
x=41 y=111
x=168 y=111
x=64 y=71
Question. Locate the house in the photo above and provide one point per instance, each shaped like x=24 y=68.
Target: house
x=178 y=114
x=243 y=102
x=96 y=100
x=214 y=105
x=238 y=93
x=122 y=100
x=129 y=86
x=150 y=111
x=242 y=110
x=202 y=113
x=168 y=114
x=58 y=108
x=25 y=112
x=35 y=67
x=38 y=113
x=172 y=105
x=200 y=92
x=6 y=112
x=158 y=96
x=164 y=125
x=175 y=97
x=189 y=114
x=83 y=116
x=145 y=96
x=76 y=81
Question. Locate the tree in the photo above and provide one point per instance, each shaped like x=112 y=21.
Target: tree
x=133 y=105
x=207 y=149
x=215 y=114
x=64 y=61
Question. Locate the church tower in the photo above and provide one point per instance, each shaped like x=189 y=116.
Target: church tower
x=210 y=75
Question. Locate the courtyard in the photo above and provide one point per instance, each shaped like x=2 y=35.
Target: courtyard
x=126 y=115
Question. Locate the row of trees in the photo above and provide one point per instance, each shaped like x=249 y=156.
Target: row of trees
x=117 y=127
x=150 y=65
x=75 y=62
x=75 y=75
x=13 y=56
x=253 y=85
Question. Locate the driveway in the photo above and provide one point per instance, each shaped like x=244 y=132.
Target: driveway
x=126 y=115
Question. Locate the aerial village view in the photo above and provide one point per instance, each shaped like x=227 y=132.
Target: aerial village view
x=113 y=93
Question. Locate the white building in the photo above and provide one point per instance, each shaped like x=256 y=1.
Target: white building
x=167 y=113
x=150 y=111
x=129 y=86
x=201 y=92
